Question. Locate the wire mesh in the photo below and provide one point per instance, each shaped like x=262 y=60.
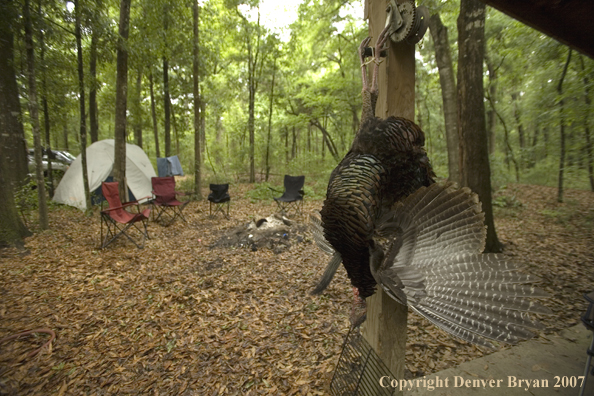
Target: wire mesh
x=359 y=370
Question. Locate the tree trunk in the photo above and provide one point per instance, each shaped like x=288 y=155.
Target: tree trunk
x=12 y=229
x=252 y=99
x=65 y=133
x=286 y=145
x=562 y=128
x=119 y=166
x=13 y=154
x=12 y=138
x=138 y=109
x=46 y=120
x=589 y=151
x=509 y=153
x=93 y=113
x=270 y=120
x=294 y=145
x=196 y=93
x=81 y=93
x=166 y=97
x=326 y=139
x=252 y=61
x=174 y=123
x=166 y=107
x=34 y=113
x=520 y=127
x=521 y=137
x=491 y=116
x=203 y=126
x=154 y=116
x=447 y=80
x=475 y=171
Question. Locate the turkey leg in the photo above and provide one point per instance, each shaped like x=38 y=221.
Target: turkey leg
x=363 y=63
x=379 y=46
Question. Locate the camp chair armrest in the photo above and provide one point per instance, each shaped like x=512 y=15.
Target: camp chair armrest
x=125 y=205
x=302 y=192
x=143 y=198
x=275 y=190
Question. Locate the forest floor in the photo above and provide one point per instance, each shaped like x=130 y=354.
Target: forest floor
x=181 y=317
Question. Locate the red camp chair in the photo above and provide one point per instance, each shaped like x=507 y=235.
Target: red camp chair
x=164 y=199
x=117 y=220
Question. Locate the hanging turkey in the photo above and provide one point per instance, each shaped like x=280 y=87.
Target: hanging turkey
x=391 y=225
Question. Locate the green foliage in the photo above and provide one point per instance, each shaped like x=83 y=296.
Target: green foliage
x=27 y=200
x=569 y=214
x=317 y=87
x=263 y=192
x=185 y=184
x=506 y=201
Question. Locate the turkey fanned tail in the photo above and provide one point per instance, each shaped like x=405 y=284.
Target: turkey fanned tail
x=427 y=254
x=335 y=261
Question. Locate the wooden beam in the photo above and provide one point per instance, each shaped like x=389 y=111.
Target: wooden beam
x=385 y=328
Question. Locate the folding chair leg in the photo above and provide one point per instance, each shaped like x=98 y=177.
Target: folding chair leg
x=113 y=233
x=219 y=207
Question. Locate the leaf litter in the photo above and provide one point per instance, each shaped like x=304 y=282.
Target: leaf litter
x=189 y=315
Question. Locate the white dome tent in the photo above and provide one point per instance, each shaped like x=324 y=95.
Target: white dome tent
x=100 y=157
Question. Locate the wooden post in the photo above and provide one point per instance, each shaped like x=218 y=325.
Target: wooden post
x=385 y=328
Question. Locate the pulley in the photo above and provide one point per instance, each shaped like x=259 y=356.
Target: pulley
x=407 y=22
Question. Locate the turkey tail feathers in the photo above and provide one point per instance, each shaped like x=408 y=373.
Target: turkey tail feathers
x=438 y=233
x=326 y=278
x=335 y=261
x=318 y=234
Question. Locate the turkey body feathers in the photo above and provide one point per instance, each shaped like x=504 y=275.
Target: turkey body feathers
x=385 y=164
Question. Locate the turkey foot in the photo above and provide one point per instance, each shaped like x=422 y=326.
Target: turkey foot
x=358 y=309
x=379 y=46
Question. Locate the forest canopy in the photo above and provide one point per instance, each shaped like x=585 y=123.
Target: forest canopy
x=276 y=101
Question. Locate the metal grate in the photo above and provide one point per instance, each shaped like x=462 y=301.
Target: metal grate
x=359 y=370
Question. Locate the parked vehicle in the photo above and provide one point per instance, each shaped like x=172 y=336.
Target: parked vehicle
x=60 y=159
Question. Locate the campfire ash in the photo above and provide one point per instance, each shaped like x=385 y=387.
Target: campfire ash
x=274 y=232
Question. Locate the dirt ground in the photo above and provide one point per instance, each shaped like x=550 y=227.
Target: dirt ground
x=180 y=317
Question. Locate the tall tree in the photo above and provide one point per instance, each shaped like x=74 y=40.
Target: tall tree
x=45 y=107
x=154 y=115
x=13 y=157
x=12 y=229
x=34 y=114
x=12 y=138
x=491 y=113
x=196 y=94
x=93 y=109
x=447 y=80
x=166 y=96
x=81 y=93
x=254 y=61
x=562 y=128
x=270 y=119
x=119 y=166
x=588 y=103
x=475 y=171
x=138 y=109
